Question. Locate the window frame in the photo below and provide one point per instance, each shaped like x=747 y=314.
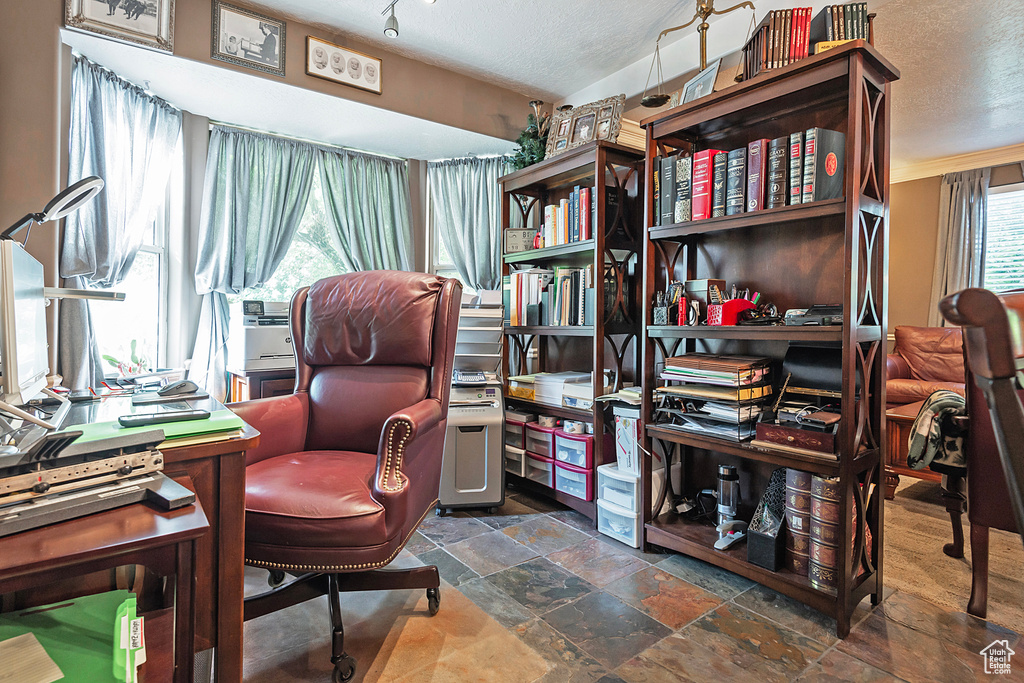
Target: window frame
x=1017 y=187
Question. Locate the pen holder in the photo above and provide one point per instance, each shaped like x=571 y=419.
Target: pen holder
x=728 y=313
x=660 y=315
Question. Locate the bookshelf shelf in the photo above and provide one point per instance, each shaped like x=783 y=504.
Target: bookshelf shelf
x=612 y=254
x=831 y=251
x=548 y=253
x=782 y=214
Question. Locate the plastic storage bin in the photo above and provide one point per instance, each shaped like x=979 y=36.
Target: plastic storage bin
x=515 y=460
x=618 y=488
x=574 y=449
x=618 y=523
x=540 y=440
x=515 y=435
x=540 y=470
x=574 y=481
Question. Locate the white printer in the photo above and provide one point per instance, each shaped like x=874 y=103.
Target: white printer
x=259 y=337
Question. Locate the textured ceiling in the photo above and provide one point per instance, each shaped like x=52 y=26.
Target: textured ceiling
x=962 y=76
x=539 y=48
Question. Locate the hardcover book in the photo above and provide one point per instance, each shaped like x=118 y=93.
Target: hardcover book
x=787 y=32
x=719 y=164
x=735 y=181
x=824 y=531
x=796 y=167
x=668 y=189
x=702 y=176
x=655 y=217
x=798 y=512
x=683 y=189
x=824 y=155
x=757 y=161
x=778 y=164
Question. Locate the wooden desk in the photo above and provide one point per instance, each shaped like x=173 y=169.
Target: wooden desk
x=900 y=420
x=164 y=542
x=217 y=471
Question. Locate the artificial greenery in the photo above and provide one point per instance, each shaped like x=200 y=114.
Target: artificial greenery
x=137 y=364
x=531 y=143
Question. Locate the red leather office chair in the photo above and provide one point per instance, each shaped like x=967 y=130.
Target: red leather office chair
x=349 y=464
x=994 y=446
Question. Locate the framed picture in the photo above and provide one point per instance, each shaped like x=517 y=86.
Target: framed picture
x=702 y=84
x=144 y=22
x=247 y=38
x=342 y=65
x=599 y=120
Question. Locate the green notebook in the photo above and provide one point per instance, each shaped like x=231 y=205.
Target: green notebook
x=219 y=421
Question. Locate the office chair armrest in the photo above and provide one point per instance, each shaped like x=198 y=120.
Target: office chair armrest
x=896 y=367
x=281 y=422
x=406 y=434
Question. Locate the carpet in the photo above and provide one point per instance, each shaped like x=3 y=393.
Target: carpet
x=916 y=528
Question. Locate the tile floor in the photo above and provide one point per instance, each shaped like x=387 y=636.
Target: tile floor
x=534 y=594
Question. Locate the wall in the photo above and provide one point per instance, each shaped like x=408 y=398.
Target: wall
x=35 y=82
x=913 y=230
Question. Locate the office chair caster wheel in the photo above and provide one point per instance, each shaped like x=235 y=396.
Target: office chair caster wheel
x=344 y=669
x=276 y=578
x=439 y=512
x=433 y=600
x=492 y=511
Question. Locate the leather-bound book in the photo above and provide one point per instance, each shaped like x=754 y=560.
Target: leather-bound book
x=702 y=174
x=718 y=166
x=778 y=165
x=757 y=171
x=826 y=493
x=824 y=156
x=796 y=167
x=683 y=189
x=735 y=181
x=798 y=513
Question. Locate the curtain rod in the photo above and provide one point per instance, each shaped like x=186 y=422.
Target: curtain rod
x=325 y=145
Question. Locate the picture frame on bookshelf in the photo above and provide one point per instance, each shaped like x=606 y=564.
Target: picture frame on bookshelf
x=702 y=84
x=340 y=64
x=601 y=120
x=150 y=24
x=246 y=38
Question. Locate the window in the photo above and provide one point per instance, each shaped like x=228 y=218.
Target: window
x=1004 y=239
x=311 y=255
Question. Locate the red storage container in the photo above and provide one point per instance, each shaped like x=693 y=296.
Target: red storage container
x=574 y=481
x=574 y=449
x=540 y=470
x=515 y=433
x=540 y=440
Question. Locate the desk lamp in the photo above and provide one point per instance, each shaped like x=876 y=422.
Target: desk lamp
x=70 y=199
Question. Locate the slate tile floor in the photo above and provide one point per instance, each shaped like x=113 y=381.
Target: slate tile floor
x=534 y=594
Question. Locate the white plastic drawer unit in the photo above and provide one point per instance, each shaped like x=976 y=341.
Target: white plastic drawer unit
x=540 y=470
x=514 y=460
x=515 y=435
x=540 y=440
x=618 y=523
x=573 y=481
x=574 y=449
x=618 y=487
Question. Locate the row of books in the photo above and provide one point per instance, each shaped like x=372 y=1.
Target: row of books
x=571 y=220
x=807 y=166
x=786 y=36
x=542 y=296
x=716 y=396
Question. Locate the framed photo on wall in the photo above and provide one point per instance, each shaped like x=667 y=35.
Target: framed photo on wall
x=247 y=38
x=145 y=22
x=342 y=65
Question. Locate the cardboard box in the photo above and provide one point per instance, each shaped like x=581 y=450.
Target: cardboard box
x=627 y=439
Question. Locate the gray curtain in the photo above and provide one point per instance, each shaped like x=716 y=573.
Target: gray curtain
x=960 y=247
x=465 y=201
x=255 y=193
x=366 y=199
x=127 y=138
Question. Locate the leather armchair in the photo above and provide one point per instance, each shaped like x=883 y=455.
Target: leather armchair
x=350 y=464
x=925 y=360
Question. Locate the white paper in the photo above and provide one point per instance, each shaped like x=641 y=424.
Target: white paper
x=25 y=661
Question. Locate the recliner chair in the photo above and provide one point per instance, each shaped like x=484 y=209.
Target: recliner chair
x=349 y=464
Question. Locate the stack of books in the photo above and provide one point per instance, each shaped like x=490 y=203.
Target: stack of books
x=718 y=396
x=573 y=218
x=522 y=295
x=803 y=167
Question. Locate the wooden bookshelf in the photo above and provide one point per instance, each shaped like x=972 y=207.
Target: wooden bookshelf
x=832 y=251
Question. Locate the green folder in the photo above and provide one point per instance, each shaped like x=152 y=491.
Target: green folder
x=219 y=421
x=78 y=634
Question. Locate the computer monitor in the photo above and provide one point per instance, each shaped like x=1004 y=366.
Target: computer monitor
x=23 y=349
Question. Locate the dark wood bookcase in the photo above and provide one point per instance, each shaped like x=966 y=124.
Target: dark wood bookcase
x=614 y=252
x=833 y=251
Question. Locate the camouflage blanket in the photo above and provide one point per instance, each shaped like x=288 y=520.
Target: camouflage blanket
x=934 y=440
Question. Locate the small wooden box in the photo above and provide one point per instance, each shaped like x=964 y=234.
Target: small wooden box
x=792 y=435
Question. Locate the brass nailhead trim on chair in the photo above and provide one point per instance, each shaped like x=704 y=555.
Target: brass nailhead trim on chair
x=340 y=567
x=386 y=475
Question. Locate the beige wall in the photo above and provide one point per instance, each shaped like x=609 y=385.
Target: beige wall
x=913 y=229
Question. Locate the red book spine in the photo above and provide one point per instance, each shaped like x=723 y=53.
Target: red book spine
x=807 y=31
x=585 y=213
x=798 y=33
x=702 y=177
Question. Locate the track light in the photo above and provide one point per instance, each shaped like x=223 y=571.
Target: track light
x=391 y=25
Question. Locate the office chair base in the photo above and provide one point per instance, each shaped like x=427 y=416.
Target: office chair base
x=433 y=600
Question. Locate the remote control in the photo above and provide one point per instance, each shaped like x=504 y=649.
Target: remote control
x=146 y=419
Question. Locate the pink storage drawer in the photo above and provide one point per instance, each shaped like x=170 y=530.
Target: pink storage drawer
x=574 y=481
x=540 y=440
x=574 y=449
